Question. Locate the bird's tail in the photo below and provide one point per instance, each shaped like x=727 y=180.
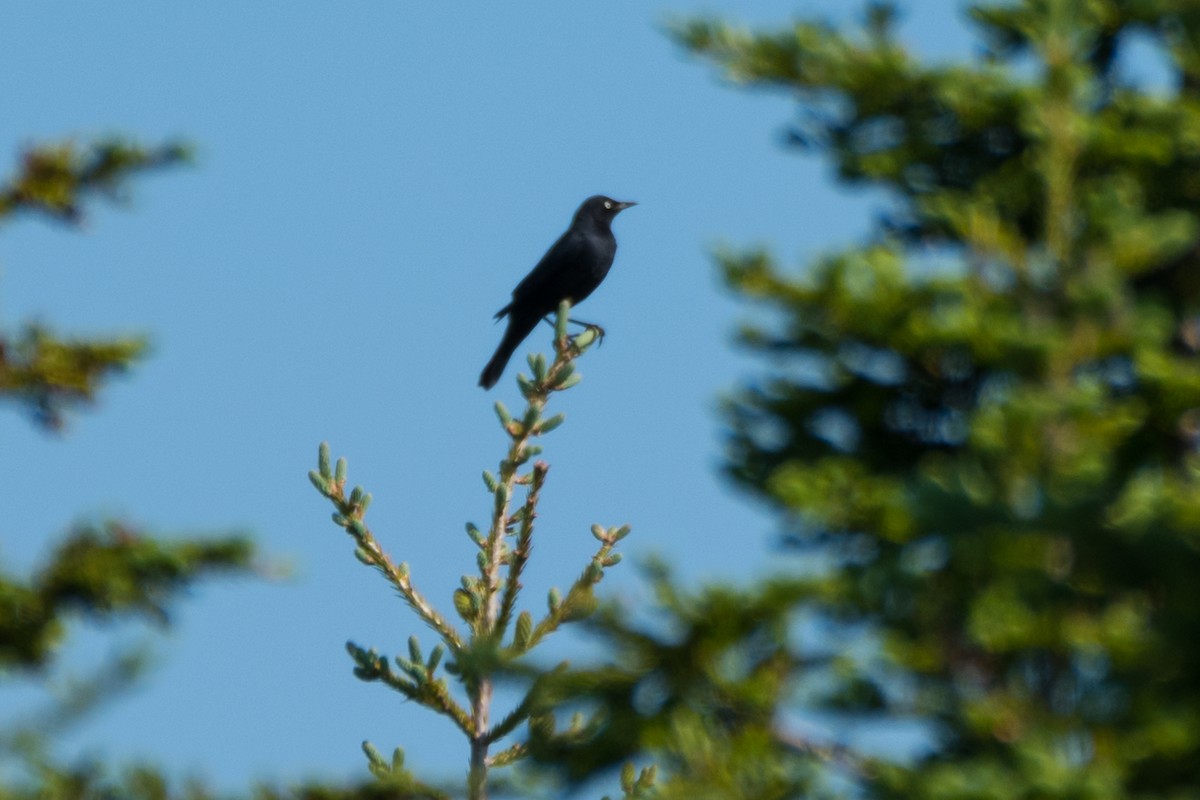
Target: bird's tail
x=518 y=329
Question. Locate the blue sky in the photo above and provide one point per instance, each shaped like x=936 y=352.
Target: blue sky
x=372 y=180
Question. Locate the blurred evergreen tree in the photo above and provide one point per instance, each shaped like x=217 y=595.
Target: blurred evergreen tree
x=981 y=425
x=40 y=370
x=101 y=572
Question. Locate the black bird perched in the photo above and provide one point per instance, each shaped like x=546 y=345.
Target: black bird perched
x=571 y=270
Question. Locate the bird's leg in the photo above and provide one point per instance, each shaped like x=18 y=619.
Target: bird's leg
x=547 y=319
x=591 y=326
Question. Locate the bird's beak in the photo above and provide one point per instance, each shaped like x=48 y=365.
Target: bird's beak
x=621 y=206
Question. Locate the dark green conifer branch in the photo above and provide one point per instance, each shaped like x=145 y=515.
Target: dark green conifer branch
x=54 y=179
x=48 y=374
x=999 y=459
x=102 y=572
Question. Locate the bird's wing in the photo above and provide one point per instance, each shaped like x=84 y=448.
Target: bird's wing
x=554 y=267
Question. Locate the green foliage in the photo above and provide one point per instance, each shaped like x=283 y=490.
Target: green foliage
x=47 y=374
x=102 y=572
x=984 y=423
x=493 y=644
x=980 y=428
x=54 y=180
x=40 y=370
x=94 y=781
x=99 y=573
x=702 y=698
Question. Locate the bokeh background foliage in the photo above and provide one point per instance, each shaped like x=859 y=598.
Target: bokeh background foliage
x=980 y=426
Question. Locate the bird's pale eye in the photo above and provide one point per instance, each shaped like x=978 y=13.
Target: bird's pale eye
x=608 y=203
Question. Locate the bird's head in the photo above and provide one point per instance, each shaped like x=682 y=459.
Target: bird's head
x=599 y=207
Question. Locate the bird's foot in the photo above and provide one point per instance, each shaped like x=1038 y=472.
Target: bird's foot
x=591 y=333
